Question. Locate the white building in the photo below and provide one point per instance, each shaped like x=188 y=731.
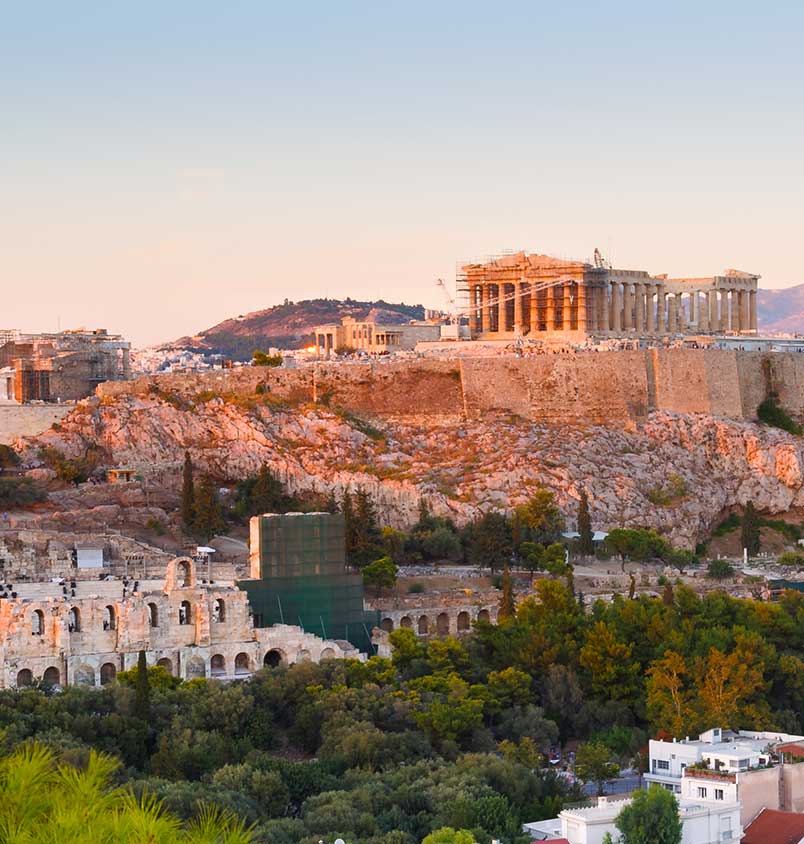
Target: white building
x=703 y=821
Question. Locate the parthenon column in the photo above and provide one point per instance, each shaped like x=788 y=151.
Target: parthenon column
x=501 y=320
x=628 y=307
x=744 y=318
x=681 y=316
x=650 y=322
x=485 y=309
x=534 y=308
x=591 y=307
x=582 y=312
x=518 y=327
x=735 y=310
x=661 y=309
x=672 y=314
x=473 y=296
x=703 y=313
x=724 y=310
x=617 y=307
x=752 y=309
x=711 y=297
x=550 y=313
x=639 y=306
x=693 y=307
x=566 y=308
x=603 y=323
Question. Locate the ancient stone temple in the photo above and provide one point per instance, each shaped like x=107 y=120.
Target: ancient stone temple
x=536 y=295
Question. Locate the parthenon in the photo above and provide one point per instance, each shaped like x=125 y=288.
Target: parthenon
x=521 y=294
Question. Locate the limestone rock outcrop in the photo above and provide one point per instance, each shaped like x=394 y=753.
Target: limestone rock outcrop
x=675 y=472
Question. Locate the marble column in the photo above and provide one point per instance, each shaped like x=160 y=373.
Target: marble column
x=566 y=310
x=639 y=305
x=534 y=308
x=681 y=315
x=711 y=297
x=518 y=327
x=672 y=314
x=473 y=291
x=502 y=322
x=603 y=324
x=724 y=310
x=703 y=313
x=744 y=318
x=485 y=309
x=661 y=310
x=650 y=322
x=735 y=310
x=582 y=306
x=617 y=307
x=752 y=309
x=628 y=307
x=550 y=312
x=591 y=307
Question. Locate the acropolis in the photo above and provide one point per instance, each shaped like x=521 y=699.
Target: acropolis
x=537 y=295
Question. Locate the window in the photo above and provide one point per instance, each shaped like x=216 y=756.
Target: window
x=701 y=793
x=662 y=765
x=718 y=794
x=109 y=618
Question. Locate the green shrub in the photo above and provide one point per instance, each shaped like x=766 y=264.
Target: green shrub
x=772 y=413
x=732 y=522
x=673 y=490
x=791 y=559
x=157 y=526
x=416 y=588
x=8 y=457
x=264 y=359
x=720 y=569
x=19 y=492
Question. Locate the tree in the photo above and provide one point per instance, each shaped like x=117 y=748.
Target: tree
x=208 y=513
x=720 y=569
x=142 y=690
x=507 y=604
x=260 y=358
x=448 y=835
x=187 y=494
x=8 y=457
x=614 y=674
x=261 y=493
x=749 y=534
x=668 y=698
x=650 y=818
x=539 y=519
x=381 y=574
x=490 y=542
x=586 y=539
x=593 y=763
x=45 y=800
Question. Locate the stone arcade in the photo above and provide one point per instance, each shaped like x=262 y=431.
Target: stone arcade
x=536 y=295
x=193 y=629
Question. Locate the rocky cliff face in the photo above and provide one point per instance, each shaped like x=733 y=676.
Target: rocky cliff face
x=675 y=472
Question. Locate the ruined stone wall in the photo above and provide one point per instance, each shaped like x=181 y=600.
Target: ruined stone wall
x=28 y=420
x=593 y=387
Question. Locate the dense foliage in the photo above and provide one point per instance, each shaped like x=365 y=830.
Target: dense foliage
x=447 y=733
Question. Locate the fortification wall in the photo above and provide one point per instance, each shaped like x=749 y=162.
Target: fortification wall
x=594 y=387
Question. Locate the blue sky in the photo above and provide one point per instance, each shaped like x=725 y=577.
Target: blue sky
x=166 y=165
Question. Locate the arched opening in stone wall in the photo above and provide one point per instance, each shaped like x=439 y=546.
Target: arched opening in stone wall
x=217 y=665
x=218 y=611
x=153 y=615
x=327 y=653
x=37 y=623
x=166 y=664
x=185 y=613
x=84 y=675
x=424 y=625
x=274 y=658
x=464 y=622
x=24 y=678
x=52 y=676
x=483 y=615
x=406 y=621
x=196 y=668
x=303 y=656
x=74 y=620
x=108 y=673
x=442 y=624
x=109 y=618
x=242 y=664
x=184 y=575
x=387 y=625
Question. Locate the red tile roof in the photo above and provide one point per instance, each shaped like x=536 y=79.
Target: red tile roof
x=772 y=827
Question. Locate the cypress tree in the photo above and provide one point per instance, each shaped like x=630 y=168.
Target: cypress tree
x=187 y=494
x=142 y=690
x=585 y=542
x=750 y=529
x=507 y=606
x=208 y=516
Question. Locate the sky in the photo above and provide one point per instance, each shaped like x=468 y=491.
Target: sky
x=166 y=165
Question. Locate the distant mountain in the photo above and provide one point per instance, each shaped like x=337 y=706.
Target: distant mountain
x=289 y=326
x=781 y=310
